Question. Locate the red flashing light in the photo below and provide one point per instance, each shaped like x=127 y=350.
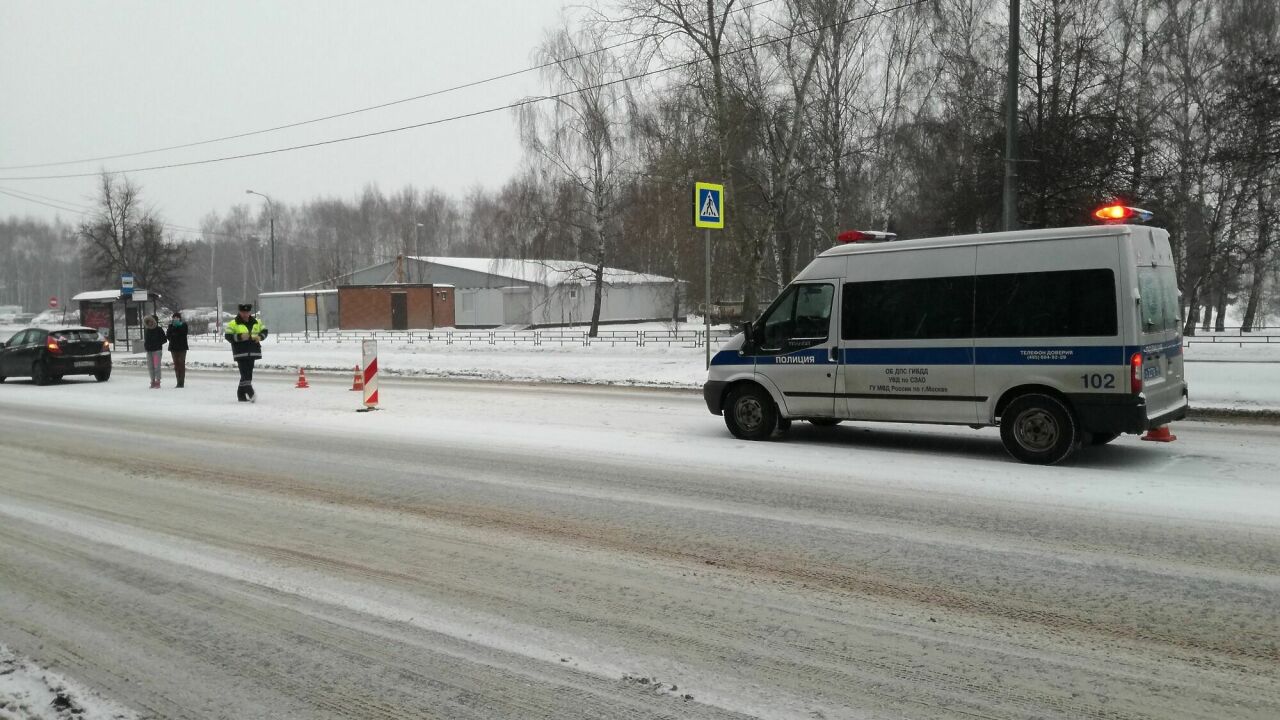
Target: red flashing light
x=1135 y=373
x=856 y=236
x=1120 y=213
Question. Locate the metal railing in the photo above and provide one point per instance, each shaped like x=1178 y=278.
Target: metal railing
x=1230 y=340
x=689 y=338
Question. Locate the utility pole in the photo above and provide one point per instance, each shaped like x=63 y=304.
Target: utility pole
x=1011 y=121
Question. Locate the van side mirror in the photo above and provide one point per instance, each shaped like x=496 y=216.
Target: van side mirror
x=748 y=334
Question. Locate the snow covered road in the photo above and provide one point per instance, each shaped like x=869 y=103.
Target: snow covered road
x=499 y=551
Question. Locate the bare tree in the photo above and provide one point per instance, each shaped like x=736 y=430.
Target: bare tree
x=123 y=236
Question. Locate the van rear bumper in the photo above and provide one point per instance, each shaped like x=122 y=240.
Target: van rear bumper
x=1106 y=413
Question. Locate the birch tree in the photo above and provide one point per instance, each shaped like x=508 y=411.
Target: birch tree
x=580 y=136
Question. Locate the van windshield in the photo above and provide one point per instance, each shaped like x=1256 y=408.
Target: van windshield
x=1159 y=302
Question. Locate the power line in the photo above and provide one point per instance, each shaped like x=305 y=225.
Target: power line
x=477 y=113
x=357 y=111
x=85 y=211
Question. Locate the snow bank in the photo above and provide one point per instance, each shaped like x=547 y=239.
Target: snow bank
x=29 y=692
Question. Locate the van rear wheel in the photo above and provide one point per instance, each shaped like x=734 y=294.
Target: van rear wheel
x=750 y=413
x=1039 y=429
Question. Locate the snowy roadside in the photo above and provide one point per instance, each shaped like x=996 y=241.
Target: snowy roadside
x=29 y=692
x=1222 y=377
x=628 y=365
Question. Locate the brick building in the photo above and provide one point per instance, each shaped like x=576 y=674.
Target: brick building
x=395 y=306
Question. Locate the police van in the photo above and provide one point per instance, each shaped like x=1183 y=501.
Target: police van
x=1061 y=337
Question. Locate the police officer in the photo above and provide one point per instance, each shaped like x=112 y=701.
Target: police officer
x=245 y=333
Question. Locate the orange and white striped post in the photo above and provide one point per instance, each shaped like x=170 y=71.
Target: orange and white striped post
x=369 y=351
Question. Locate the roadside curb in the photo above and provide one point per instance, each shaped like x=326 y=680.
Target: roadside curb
x=1235 y=415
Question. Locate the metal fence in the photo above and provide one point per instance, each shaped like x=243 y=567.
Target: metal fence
x=1240 y=340
x=533 y=338
x=689 y=338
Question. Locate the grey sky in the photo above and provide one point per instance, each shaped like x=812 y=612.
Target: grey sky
x=92 y=78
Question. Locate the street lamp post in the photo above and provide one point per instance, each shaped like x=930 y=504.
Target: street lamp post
x=416 y=249
x=271 y=209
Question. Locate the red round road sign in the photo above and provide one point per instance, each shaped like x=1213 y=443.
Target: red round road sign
x=53 y=302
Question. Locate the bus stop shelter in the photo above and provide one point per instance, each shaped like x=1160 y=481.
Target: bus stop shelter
x=117 y=317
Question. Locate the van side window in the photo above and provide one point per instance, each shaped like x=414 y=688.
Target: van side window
x=799 y=318
x=917 y=309
x=1067 y=303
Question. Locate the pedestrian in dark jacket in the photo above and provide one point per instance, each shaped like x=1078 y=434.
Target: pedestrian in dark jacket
x=245 y=333
x=153 y=341
x=177 y=335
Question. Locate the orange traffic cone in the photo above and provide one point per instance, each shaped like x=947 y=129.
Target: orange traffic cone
x=358 y=382
x=302 y=379
x=1160 y=434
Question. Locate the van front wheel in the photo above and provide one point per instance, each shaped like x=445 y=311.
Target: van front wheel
x=1039 y=429
x=750 y=413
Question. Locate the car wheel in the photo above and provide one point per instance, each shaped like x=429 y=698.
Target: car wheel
x=1102 y=438
x=39 y=375
x=824 y=422
x=1039 y=429
x=102 y=375
x=750 y=413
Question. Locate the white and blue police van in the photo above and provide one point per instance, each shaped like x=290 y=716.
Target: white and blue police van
x=1061 y=337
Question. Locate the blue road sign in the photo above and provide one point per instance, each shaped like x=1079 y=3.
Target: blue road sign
x=708 y=205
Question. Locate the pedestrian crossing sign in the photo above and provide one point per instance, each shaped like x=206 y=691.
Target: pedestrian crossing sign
x=708 y=205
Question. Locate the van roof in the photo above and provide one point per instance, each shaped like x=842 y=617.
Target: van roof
x=984 y=238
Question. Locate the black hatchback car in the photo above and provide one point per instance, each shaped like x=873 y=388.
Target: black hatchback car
x=47 y=355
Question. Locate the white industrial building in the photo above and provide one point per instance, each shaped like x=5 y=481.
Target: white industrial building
x=299 y=311
x=494 y=292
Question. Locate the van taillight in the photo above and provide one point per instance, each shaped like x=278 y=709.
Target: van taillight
x=1135 y=373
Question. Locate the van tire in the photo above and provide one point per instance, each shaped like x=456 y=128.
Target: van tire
x=1102 y=438
x=1039 y=429
x=749 y=413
